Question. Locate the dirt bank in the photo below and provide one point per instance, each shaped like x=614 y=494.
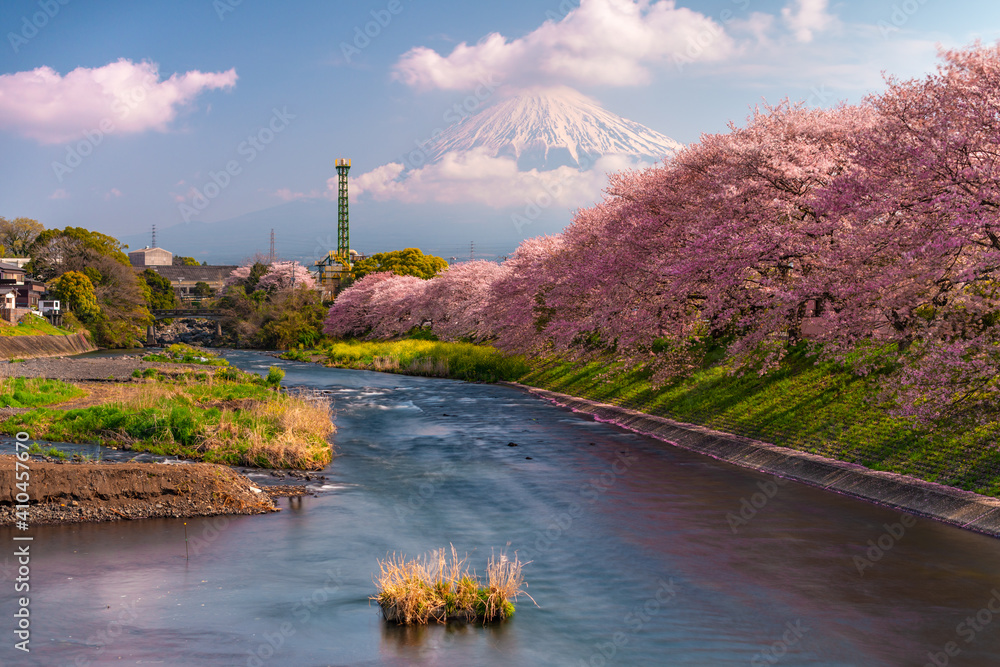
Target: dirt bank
x=100 y=491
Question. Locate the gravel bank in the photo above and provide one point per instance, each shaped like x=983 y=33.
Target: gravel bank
x=73 y=369
x=66 y=492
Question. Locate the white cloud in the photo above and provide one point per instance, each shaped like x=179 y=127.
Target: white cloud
x=113 y=193
x=59 y=194
x=474 y=176
x=601 y=42
x=121 y=97
x=807 y=17
x=287 y=194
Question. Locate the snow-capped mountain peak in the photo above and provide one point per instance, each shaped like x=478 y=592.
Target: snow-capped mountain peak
x=545 y=128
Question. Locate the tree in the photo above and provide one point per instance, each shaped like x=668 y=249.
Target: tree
x=161 y=292
x=185 y=261
x=75 y=291
x=17 y=235
x=351 y=314
x=456 y=301
x=55 y=251
x=202 y=289
x=119 y=291
x=408 y=262
x=247 y=276
x=282 y=275
x=293 y=316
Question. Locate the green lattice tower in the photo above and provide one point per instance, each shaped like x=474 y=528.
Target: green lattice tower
x=343 y=223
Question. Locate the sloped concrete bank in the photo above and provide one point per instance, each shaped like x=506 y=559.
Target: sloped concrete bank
x=31 y=347
x=944 y=503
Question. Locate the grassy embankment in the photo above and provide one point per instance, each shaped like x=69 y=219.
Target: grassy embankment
x=821 y=408
x=439 y=588
x=219 y=415
x=32 y=325
x=459 y=361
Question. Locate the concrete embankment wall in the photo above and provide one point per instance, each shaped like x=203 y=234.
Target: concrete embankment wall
x=30 y=347
x=914 y=496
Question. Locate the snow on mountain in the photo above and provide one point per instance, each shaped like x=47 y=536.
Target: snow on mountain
x=546 y=128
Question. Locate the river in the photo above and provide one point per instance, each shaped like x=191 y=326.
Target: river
x=639 y=555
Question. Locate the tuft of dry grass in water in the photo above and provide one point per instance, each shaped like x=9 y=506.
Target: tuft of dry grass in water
x=440 y=587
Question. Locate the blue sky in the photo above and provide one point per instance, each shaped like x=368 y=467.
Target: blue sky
x=181 y=88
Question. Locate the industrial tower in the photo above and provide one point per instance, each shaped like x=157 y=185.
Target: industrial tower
x=333 y=269
x=343 y=222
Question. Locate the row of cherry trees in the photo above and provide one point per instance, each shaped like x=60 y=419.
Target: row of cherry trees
x=856 y=229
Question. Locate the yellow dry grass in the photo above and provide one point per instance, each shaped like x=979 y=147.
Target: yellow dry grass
x=440 y=587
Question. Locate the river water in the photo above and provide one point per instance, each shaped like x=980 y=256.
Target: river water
x=639 y=555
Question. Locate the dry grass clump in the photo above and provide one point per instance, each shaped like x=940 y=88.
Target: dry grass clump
x=440 y=587
x=286 y=432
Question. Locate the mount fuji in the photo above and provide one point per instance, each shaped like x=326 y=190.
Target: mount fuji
x=547 y=128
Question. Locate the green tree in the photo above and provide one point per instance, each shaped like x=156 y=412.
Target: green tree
x=121 y=295
x=185 y=261
x=17 y=235
x=407 y=262
x=76 y=293
x=161 y=292
x=291 y=317
x=55 y=251
x=202 y=289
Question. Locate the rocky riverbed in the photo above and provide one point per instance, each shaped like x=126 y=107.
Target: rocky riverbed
x=72 y=369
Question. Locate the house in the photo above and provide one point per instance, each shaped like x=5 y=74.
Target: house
x=184 y=278
x=11 y=274
x=149 y=257
x=29 y=294
x=8 y=308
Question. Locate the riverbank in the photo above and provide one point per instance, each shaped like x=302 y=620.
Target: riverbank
x=815 y=423
x=83 y=492
x=431 y=358
x=199 y=412
x=33 y=346
x=947 y=504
